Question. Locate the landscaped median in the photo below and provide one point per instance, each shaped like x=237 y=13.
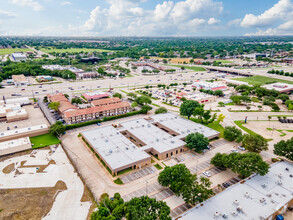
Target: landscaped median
x=44 y=140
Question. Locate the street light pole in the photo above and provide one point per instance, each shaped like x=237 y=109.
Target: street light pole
x=146 y=187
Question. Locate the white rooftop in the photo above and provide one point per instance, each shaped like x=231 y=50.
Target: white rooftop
x=152 y=136
x=16 y=113
x=257 y=198
x=115 y=148
x=183 y=126
x=21 y=101
x=22 y=130
x=14 y=143
x=281 y=87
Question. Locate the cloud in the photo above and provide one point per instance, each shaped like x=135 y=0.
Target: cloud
x=212 y=21
x=65 y=3
x=234 y=22
x=126 y=17
x=281 y=10
x=6 y=14
x=36 y=6
x=283 y=29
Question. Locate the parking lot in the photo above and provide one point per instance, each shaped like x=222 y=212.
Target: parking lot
x=138 y=174
x=142 y=191
x=163 y=194
x=219 y=143
x=179 y=210
x=199 y=167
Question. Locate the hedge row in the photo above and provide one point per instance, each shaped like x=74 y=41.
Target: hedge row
x=86 y=123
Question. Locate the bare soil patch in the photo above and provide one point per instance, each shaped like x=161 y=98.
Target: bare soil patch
x=8 y=169
x=30 y=203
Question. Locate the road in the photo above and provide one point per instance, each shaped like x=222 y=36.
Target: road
x=40 y=53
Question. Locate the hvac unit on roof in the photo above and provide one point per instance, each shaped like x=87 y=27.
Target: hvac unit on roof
x=188 y=130
x=110 y=151
x=142 y=125
x=29 y=129
x=106 y=140
x=280 y=176
x=172 y=142
x=262 y=200
x=246 y=194
x=216 y=214
x=149 y=125
x=264 y=185
x=137 y=121
x=269 y=195
x=157 y=140
x=239 y=209
x=126 y=148
x=225 y=216
x=279 y=182
x=236 y=202
x=234 y=213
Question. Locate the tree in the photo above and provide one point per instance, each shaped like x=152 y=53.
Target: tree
x=254 y=143
x=146 y=208
x=132 y=95
x=117 y=95
x=231 y=133
x=143 y=100
x=134 y=104
x=180 y=180
x=57 y=129
x=1 y=79
x=76 y=100
x=275 y=107
x=161 y=110
x=54 y=105
x=246 y=99
x=219 y=93
x=66 y=96
x=221 y=104
x=187 y=107
x=236 y=99
x=221 y=118
x=145 y=109
x=284 y=149
x=196 y=141
x=244 y=164
x=284 y=97
x=290 y=107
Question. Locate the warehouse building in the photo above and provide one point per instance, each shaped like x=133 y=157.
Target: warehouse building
x=18 y=56
x=12 y=112
x=258 y=197
x=280 y=87
x=20 y=80
x=13 y=146
x=90 y=96
x=127 y=145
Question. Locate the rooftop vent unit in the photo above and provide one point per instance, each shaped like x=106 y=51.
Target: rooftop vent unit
x=106 y=140
x=110 y=151
x=172 y=142
x=216 y=214
x=188 y=130
x=225 y=216
x=280 y=176
x=29 y=129
x=157 y=140
x=131 y=127
x=236 y=202
x=126 y=148
x=246 y=194
x=264 y=185
x=279 y=182
x=239 y=209
x=262 y=200
x=234 y=213
x=149 y=125
x=269 y=195
x=16 y=132
x=137 y=121
x=287 y=169
x=142 y=126
x=41 y=126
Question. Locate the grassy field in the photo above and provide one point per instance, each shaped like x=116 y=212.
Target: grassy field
x=10 y=51
x=73 y=50
x=218 y=127
x=223 y=61
x=261 y=80
x=44 y=140
x=194 y=68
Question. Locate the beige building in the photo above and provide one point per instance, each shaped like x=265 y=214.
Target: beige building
x=12 y=112
x=16 y=145
x=24 y=132
x=19 y=80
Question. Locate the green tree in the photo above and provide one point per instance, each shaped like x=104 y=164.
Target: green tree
x=134 y=104
x=132 y=95
x=161 y=110
x=284 y=149
x=76 y=100
x=145 y=109
x=143 y=100
x=187 y=107
x=231 y=133
x=196 y=141
x=57 y=129
x=219 y=93
x=54 y=105
x=147 y=208
x=219 y=160
x=221 y=118
x=236 y=99
x=221 y=104
x=117 y=95
x=284 y=97
x=254 y=143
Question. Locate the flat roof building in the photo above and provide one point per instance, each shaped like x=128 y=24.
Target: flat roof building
x=106 y=101
x=18 y=56
x=19 y=80
x=13 y=146
x=280 y=87
x=115 y=149
x=90 y=96
x=128 y=145
x=12 y=112
x=209 y=86
x=258 y=197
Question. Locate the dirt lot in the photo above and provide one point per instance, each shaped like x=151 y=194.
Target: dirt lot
x=35 y=117
x=27 y=203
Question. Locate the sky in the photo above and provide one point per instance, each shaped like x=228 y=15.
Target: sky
x=146 y=17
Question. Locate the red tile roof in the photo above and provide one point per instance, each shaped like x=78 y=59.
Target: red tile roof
x=106 y=101
x=96 y=109
x=64 y=102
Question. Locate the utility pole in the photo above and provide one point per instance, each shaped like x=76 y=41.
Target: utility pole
x=146 y=187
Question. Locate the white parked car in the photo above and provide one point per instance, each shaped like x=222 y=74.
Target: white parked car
x=235 y=151
x=241 y=148
x=206 y=173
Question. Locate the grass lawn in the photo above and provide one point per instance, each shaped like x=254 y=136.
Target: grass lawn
x=194 y=68
x=223 y=61
x=12 y=50
x=261 y=80
x=218 y=127
x=73 y=50
x=44 y=140
x=158 y=166
x=118 y=181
